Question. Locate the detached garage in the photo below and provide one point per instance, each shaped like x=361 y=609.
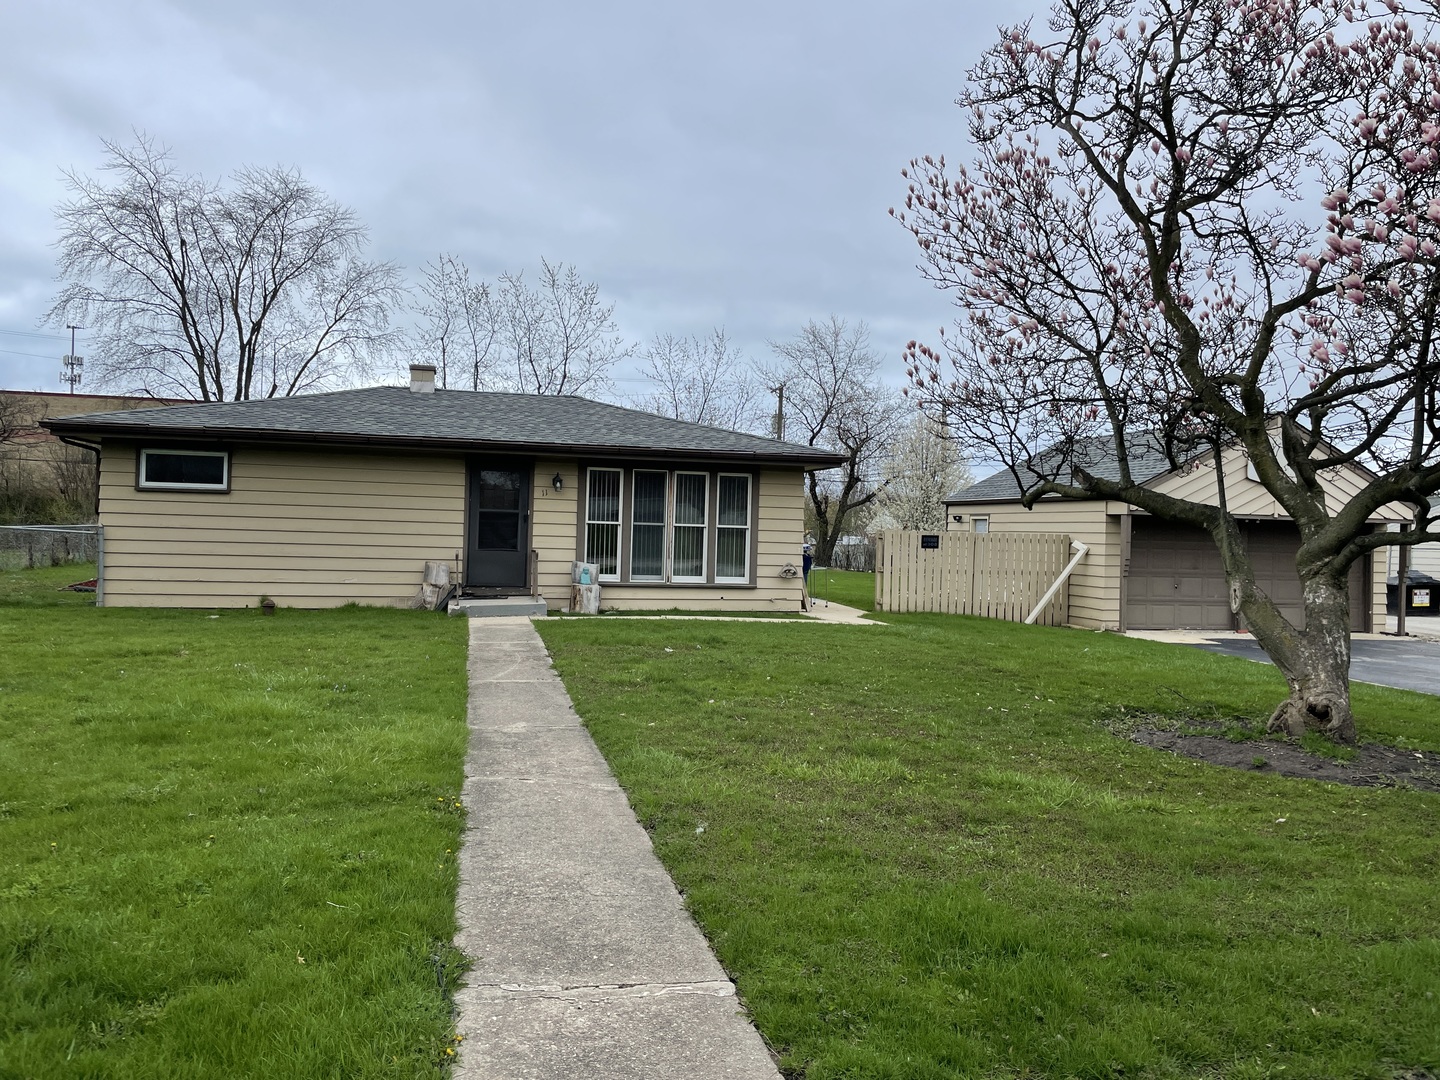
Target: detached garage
x=1142 y=573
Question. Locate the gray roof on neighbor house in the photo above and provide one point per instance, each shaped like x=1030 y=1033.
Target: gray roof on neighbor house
x=1097 y=455
x=461 y=420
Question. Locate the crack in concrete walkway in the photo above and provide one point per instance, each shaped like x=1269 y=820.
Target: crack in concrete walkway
x=585 y=961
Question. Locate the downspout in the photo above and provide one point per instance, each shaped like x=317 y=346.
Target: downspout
x=1080 y=552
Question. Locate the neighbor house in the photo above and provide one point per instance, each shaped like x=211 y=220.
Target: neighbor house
x=1142 y=573
x=326 y=499
x=1423 y=557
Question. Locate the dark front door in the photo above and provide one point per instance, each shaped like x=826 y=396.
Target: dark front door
x=499 y=509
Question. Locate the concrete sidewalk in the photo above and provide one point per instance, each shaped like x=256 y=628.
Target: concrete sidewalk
x=586 y=963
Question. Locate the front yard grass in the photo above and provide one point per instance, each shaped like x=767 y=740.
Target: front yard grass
x=226 y=840
x=921 y=854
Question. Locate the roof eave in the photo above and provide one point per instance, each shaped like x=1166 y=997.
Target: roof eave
x=77 y=426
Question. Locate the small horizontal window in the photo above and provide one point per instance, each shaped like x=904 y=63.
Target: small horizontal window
x=185 y=470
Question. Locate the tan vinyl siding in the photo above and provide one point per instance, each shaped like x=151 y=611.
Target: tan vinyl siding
x=554 y=528
x=1249 y=498
x=307 y=528
x=323 y=528
x=1423 y=557
x=1094 y=587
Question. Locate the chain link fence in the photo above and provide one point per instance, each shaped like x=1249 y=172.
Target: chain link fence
x=25 y=547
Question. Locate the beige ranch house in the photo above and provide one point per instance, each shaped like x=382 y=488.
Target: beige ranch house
x=1142 y=573
x=327 y=499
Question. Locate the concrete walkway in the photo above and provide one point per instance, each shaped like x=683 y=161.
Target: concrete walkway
x=586 y=963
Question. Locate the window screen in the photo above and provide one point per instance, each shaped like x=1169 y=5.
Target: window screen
x=688 y=560
x=732 y=529
x=602 y=522
x=647 y=544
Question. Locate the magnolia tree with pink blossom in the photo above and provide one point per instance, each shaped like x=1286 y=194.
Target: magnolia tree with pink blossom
x=1193 y=227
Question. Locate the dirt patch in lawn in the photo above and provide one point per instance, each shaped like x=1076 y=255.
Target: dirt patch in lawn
x=1371 y=765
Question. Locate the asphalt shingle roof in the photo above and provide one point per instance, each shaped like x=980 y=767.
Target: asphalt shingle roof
x=456 y=419
x=1096 y=455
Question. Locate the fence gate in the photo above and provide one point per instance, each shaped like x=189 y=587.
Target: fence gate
x=997 y=575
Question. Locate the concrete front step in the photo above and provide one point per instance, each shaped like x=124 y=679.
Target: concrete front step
x=496 y=607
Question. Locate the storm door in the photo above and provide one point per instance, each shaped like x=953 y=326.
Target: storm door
x=497 y=544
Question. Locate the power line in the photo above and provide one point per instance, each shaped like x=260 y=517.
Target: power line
x=36 y=355
x=31 y=333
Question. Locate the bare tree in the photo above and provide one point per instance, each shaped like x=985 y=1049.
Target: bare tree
x=925 y=467
x=461 y=332
x=833 y=398
x=17 y=417
x=560 y=338
x=704 y=380
x=1141 y=258
x=197 y=290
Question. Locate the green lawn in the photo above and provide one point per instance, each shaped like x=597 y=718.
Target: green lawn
x=853 y=588
x=226 y=840
x=920 y=853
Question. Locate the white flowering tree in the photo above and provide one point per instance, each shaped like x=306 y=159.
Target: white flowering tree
x=1200 y=225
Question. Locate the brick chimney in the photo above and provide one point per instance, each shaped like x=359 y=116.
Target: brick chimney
x=422 y=378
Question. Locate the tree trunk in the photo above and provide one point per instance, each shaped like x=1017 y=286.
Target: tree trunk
x=1316 y=664
x=825 y=541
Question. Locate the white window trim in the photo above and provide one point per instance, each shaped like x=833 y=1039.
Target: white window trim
x=704 y=526
x=619 y=521
x=980 y=523
x=749 y=517
x=160 y=485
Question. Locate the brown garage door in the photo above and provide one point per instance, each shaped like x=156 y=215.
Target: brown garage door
x=1176 y=582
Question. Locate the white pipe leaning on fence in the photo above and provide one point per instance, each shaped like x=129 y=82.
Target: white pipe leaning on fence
x=1080 y=552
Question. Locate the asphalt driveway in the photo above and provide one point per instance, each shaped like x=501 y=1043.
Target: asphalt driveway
x=1404 y=663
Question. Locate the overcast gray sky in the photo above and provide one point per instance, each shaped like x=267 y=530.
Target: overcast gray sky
x=723 y=165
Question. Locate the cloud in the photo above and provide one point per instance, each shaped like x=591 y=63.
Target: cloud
x=726 y=164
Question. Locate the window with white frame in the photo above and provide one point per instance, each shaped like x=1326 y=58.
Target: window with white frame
x=687 y=559
x=184 y=470
x=980 y=524
x=647 y=527
x=732 y=528
x=602 y=522
x=683 y=526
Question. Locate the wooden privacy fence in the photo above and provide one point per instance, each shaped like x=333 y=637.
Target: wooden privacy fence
x=997 y=575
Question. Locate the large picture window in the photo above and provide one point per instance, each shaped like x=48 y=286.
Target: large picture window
x=684 y=526
x=602 y=522
x=184 y=470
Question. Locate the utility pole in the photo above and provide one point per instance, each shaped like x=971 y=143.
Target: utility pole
x=72 y=366
x=779 y=392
